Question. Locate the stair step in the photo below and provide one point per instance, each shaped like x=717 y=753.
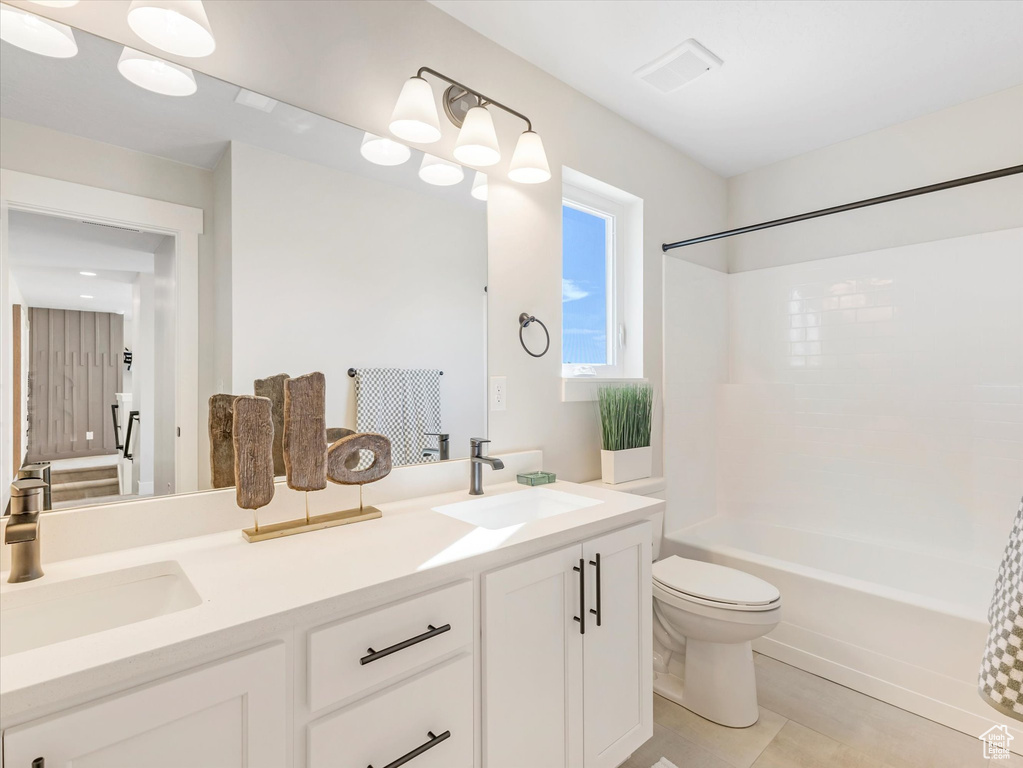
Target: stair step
x=85 y=489
x=64 y=476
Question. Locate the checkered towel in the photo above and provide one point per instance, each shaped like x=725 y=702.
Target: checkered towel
x=401 y=404
x=1001 y=673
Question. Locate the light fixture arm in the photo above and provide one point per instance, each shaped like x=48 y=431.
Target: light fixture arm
x=483 y=100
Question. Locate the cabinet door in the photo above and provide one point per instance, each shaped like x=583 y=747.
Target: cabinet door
x=232 y=713
x=532 y=663
x=617 y=663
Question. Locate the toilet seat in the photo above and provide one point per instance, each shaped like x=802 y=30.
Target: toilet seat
x=715 y=586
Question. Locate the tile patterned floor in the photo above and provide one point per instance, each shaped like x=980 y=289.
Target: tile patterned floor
x=809 y=722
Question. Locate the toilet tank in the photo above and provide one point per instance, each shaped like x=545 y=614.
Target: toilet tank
x=653 y=487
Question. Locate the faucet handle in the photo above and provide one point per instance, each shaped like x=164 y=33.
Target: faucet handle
x=478 y=440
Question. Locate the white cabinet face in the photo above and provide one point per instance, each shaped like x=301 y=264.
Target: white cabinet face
x=617 y=663
x=532 y=663
x=232 y=714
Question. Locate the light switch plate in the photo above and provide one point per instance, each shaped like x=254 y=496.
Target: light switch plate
x=498 y=393
x=88 y=435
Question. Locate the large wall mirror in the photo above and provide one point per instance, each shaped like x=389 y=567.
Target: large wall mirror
x=159 y=249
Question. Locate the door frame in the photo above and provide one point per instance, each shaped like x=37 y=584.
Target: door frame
x=55 y=197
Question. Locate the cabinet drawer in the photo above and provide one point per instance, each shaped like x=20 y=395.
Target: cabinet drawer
x=341 y=663
x=430 y=714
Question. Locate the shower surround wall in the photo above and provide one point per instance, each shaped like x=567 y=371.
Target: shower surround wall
x=879 y=396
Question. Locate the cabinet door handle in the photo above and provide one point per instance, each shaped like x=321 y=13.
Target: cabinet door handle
x=596 y=563
x=433 y=742
x=431 y=631
x=581 y=618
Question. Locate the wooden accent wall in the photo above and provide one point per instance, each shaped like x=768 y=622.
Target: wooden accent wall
x=75 y=369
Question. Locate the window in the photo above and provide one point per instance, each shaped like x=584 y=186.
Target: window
x=592 y=285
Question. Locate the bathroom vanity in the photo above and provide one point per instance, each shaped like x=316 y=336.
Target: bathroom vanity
x=508 y=630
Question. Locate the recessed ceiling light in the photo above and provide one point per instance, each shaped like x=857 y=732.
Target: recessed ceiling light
x=255 y=100
x=382 y=151
x=440 y=172
x=36 y=35
x=155 y=74
x=84 y=296
x=88 y=274
x=176 y=26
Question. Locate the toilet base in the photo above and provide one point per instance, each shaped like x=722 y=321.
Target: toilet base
x=720 y=683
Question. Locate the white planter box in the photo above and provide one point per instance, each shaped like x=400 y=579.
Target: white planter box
x=622 y=466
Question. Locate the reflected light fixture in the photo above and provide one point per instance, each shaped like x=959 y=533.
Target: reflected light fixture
x=383 y=151
x=477 y=141
x=155 y=74
x=415 y=119
x=415 y=115
x=529 y=162
x=479 y=186
x=176 y=26
x=35 y=34
x=88 y=274
x=84 y=296
x=440 y=172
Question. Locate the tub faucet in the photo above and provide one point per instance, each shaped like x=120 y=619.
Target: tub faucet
x=476 y=462
x=22 y=531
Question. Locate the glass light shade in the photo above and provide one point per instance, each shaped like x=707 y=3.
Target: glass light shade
x=477 y=141
x=55 y=3
x=440 y=172
x=415 y=115
x=529 y=162
x=37 y=35
x=176 y=26
x=383 y=151
x=155 y=74
x=479 y=186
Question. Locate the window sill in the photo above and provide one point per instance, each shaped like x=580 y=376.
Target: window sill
x=584 y=388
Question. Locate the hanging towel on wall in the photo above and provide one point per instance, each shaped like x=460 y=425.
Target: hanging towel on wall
x=1001 y=672
x=401 y=404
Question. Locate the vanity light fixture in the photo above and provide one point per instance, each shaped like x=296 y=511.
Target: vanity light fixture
x=88 y=274
x=440 y=172
x=415 y=119
x=479 y=186
x=383 y=151
x=155 y=74
x=36 y=34
x=176 y=26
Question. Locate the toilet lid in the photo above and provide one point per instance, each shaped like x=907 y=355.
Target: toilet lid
x=713 y=582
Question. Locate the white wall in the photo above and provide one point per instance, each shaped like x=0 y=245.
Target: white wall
x=880 y=395
x=164 y=313
x=143 y=391
x=331 y=270
x=361 y=53
x=695 y=367
x=981 y=135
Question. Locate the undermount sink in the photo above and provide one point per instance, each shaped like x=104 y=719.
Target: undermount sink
x=507 y=509
x=36 y=615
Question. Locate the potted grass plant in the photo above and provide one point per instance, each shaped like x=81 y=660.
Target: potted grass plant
x=625 y=416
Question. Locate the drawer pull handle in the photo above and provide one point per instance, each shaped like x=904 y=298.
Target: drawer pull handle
x=597 y=612
x=433 y=742
x=432 y=631
x=581 y=618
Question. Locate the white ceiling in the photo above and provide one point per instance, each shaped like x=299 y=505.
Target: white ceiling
x=796 y=75
x=48 y=253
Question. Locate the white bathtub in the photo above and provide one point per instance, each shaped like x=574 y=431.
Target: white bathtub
x=905 y=627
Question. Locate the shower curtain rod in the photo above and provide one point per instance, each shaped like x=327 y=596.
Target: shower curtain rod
x=849 y=206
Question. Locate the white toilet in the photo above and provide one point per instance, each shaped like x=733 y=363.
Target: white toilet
x=705 y=619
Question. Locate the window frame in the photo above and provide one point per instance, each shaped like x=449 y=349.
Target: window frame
x=614 y=214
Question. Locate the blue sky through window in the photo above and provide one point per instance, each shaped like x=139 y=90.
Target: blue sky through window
x=584 y=287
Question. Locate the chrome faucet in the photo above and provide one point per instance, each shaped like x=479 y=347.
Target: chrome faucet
x=22 y=531
x=443 y=449
x=476 y=462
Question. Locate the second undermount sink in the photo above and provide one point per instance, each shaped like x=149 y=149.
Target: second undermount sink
x=507 y=509
x=42 y=614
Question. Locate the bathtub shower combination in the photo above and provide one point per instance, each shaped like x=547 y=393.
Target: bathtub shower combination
x=867 y=413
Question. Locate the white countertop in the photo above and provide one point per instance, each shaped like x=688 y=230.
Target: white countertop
x=251 y=590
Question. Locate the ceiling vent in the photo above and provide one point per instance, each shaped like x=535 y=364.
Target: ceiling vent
x=678 y=67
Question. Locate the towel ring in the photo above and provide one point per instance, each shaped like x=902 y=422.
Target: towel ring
x=525 y=320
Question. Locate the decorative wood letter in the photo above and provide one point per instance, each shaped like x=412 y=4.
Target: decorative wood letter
x=221 y=440
x=253 y=451
x=273 y=388
x=305 y=432
x=343 y=457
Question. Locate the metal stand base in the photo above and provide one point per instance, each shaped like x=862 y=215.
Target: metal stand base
x=306 y=524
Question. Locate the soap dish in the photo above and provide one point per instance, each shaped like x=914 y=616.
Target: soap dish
x=536 y=478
